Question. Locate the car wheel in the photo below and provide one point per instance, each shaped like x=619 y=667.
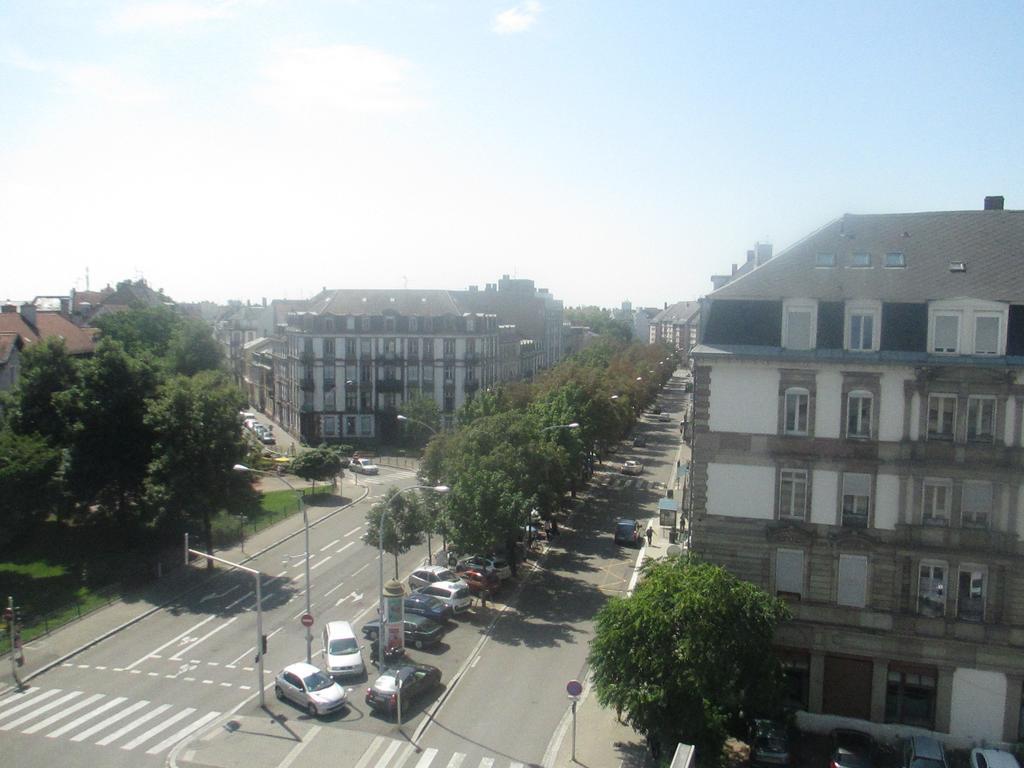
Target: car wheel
x=418 y=644
x=311 y=709
x=279 y=693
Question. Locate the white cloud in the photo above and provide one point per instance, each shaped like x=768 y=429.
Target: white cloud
x=170 y=14
x=107 y=85
x=517 y=19
x=338 y=79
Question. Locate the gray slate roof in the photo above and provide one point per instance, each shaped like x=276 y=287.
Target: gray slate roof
x=990 y=243
x=358 y=301
x=679 y=312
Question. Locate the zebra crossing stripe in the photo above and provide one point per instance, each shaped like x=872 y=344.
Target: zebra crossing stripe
x=370 y=750
x=456 y=760
x=515 y=765
x=133 y=725
x=487 y=762
x=109 y=721
x=388 y=754
x=157 y=728
x=86 y=717
x=409 y=749
x=39 y=711
x=23 y=704
x=181 y=734
x=427 y=758
x=62 y=714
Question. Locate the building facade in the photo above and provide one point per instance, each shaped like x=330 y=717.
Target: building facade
x=345 y=365
x=676 y=325
x=858 y=412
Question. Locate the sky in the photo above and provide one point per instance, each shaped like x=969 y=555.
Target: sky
x=609 y=151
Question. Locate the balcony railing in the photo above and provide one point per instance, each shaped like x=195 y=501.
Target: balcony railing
x=389 y=385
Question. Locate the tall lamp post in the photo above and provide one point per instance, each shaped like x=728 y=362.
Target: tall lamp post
x=305 y=525
x=380 y=529
x=401 y=417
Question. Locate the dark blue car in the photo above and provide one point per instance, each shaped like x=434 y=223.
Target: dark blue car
x=425 y=605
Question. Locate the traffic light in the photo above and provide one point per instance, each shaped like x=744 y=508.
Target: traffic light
x=264 y=645
x=263 y=649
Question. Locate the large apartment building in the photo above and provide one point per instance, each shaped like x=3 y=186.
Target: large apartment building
x=346 y=363
x=858 y=412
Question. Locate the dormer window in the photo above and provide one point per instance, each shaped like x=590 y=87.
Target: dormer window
x=860 y=260
x=798 y=325
x=946 y=333
x=825 y=260
x=986 y=334
x=863 y=325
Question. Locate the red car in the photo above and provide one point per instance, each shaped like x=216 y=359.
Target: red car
x=478 y=580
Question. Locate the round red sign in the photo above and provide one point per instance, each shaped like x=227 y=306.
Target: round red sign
x=307 y=619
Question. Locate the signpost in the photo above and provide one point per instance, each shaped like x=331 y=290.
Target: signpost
x=307 y=620
x=574 y=688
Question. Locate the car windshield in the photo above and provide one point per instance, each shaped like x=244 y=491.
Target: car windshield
x=626 y=528
x=446 y=575
x=460 y=593
x=385 y=683
x=317 y=681
x=343 y=645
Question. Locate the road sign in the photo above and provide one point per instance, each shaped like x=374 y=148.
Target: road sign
x=574 y=688
x=307 y=619
x=8 y=614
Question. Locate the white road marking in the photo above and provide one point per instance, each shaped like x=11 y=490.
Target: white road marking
x=344 y=548
x=456 y=760
x=354 y=530
x=334 y=588
x=427 y=758
x=41 y=710
x=62 y=714
x=368 y=754
x=297 y=749
x=409 y=749
x=388 y=754
x=328 y=546
x=157 y=728
x=487 y=762
x=228 y=623
x=169 y=642
x=86 y=717
x=246 y=596
x=321 y=562
x=109 y=721
x=20 y=697
x=179 y=735
x=361 y=569
x=139 y=721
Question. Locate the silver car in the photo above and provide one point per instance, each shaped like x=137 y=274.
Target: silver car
x=310 y=688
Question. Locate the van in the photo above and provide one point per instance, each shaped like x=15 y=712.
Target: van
x=342 y=654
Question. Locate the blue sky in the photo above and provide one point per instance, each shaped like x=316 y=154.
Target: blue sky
x=609 y=151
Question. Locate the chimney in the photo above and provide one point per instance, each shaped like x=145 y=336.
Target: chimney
x=28 y=314
x=750 y=256
x=764 y=252
x=994 y=203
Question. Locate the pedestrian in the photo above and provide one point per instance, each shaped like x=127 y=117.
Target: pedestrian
x=554 y=528
x=650 y=533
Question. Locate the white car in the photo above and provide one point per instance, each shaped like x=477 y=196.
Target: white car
x=454 y=594
x=992 y=758
x=342 y=655
x=310 y=688
x=631 y=467
x=426 y=575
x=363 y=467
x=497 y=564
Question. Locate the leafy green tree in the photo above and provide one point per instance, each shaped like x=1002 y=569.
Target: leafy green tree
x=601 y=322
x=688 y=654
x=192 y=348
x=141 y=329
x=28 y=466
x=403 y=522
x=109 y=442
x=424 y=420
x=323 y=463
x=487 y=403
x=198 y=442
x=46 y=371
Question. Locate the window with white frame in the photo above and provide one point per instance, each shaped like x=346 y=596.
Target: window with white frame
x=789 y=572
x=853 y=581
x=856 y=500
x=935 y=501
x=793 y=493
x=798 y=326
x=987 y=334
x=976 y=504
x=941 y=416
x=795 y=412
x=981 y=418
x=858 y=414
x=970 y=593
x=931 y=589
x=861 y=331
x=945 y=333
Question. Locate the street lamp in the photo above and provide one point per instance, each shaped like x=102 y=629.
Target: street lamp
x=573 y=425
x=380 y=543
x=400 y=417
x=305 y=525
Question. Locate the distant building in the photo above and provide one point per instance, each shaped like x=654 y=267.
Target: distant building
x=676 y=325
x=24 y=325
x=642 y=320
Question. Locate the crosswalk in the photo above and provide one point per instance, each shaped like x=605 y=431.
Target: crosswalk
x=621 y=482
x=391 y=753
x=56 y=713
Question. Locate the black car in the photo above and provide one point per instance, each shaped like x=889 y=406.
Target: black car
x=420 y=631
x=415 y=681
x=425 y=605
x=852 y=749
x=627 y=531
x=639 y=441
x=769 y=746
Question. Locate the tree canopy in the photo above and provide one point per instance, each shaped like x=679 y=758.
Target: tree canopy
x=323 y=463
x=688 y=654
x=403 y=521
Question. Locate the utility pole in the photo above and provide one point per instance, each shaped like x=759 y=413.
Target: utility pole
x=17 y=655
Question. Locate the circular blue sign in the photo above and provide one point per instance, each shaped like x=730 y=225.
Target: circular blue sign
x=574 y=687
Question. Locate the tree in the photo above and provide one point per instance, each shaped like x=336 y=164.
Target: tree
x=28 y=465
x=323 y=463
x=424 y=420
x=403 y=523
x=141 y=329
x=688 y=654
x=195 y=420
x=109 y=445
x=46 y=371
x=192 y=348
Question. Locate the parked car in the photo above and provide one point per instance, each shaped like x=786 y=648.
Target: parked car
x=769 y=745
x=632 y=467
x=664 y=416
x=851 y=749
x=415 y=681
x=480 y=579
x=363 y=466
x=992 y=758
x=430 y=574
x=310 y=688
x=342 y=655
x=499 y=565
x=923 y=752
x=627 y=531
x=420 y=632
x=418 y=604
x=454 y=594
x=639 y=441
